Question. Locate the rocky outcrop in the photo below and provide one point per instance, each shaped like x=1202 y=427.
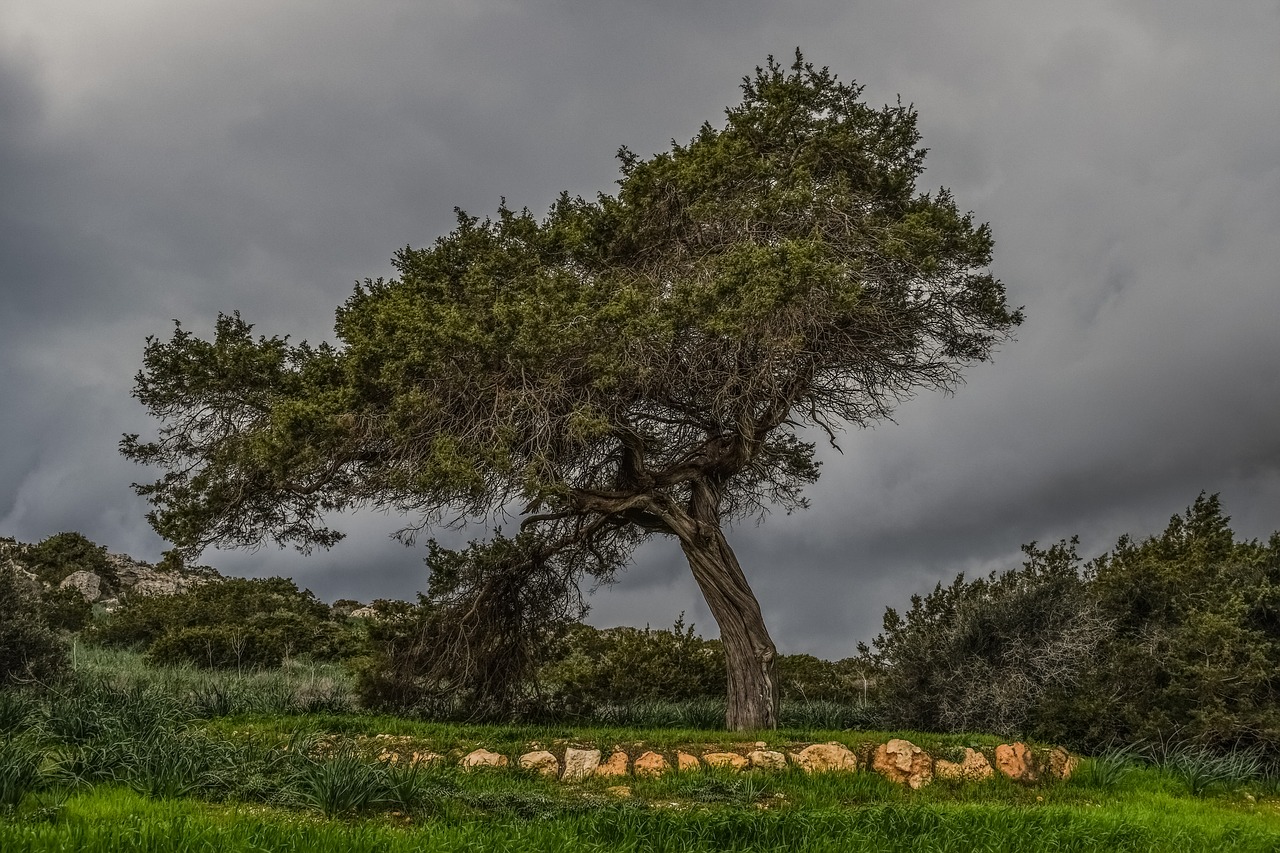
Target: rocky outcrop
x=541 y=762
x=766 y=759
x=87 y=584
x=825 y=758
x=651 y=764
x=903 y=762
x=580 y=764
x=122 y=578
x=1062 y=763
x=727 y=760
x=479 y=758
x=974 y=767
x=1016 y=761
x=615 y=766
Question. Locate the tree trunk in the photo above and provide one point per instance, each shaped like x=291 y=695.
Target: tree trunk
x=748 y=650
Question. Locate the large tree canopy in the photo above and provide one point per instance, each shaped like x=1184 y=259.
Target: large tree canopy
x=655 y=361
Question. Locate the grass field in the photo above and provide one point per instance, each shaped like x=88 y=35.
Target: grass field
x=127 y=758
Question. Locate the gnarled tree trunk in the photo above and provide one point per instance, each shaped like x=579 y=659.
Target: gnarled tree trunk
x=748 y=649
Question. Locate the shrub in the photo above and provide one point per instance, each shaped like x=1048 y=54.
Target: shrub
x=64 y=553
x=30 y=651
x=234 y=623
x=473 y=645
x=988 y=654
x=627 y=665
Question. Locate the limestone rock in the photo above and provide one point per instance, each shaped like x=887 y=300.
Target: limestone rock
x=765 y=759
x=651 y=764
x=825 y=758
x=541 y=762
x=903 y=762
x=974 y=767
x=482 y=758
x=579 y=764
x=366 y=612
x=1016 y=761
x=729 y=760
x=620 y=791
x=87 y=584
x=615 y=766
x=1062 y=763
x=685 y=762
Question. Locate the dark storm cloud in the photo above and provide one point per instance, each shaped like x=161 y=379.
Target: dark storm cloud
x=163 y=161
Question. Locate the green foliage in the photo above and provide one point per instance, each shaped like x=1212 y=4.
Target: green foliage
x=1175 y=636
x=234 y=623
x=65 y=610
x=473 y=645
x=30 y=651
x=21 y=763
x=1197 y=637
x=625 y=665
x=64 y=553
x=986 y=654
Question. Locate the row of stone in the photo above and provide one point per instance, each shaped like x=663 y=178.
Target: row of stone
x=898 y=760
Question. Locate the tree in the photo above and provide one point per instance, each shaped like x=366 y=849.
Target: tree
x=653 y=362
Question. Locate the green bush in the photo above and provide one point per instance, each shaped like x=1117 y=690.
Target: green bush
x=624 y=665
x=30 y=651
x=64 y=553
x=234 y=623
x=988 y=654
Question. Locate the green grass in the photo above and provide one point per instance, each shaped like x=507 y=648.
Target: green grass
x=114 y=819
x=128 y=758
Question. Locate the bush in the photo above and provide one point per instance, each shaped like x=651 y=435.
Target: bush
x=234 y=623
x=30 y=651
x=474 y=644
x=64 y=553
x=989 y=654
x=625 y=665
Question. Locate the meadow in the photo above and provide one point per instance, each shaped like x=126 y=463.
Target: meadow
x=126 y=756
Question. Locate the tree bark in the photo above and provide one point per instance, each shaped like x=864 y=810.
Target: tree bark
x=749 y=651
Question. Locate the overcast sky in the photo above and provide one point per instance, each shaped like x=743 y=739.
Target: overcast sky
x=172 y=160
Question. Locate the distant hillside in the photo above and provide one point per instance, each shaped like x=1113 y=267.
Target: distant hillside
x=71 y=560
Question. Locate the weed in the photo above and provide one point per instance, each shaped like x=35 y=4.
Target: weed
x=339 y=784
x=20 y=771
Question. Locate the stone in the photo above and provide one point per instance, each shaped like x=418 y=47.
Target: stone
x=620 y=791
x=87 y=584
x=974 y=767
x=615 y=766
x=541 y=762
x=651 y=764
x=825 y=758
x=367 y=612
x=26 y=580
x=766 y=759
x=1062 y=763
x=686 y=762
x=1016 y=761
x=426 y=758
x=903 y=762
x=579 y=764
x=728 y=760
x=478 y=758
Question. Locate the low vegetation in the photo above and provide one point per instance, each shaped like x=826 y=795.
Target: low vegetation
x=244 y=713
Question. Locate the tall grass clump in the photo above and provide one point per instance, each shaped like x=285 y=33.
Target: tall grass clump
x=1202 y=771
x=343 y=783
x=21 y=763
